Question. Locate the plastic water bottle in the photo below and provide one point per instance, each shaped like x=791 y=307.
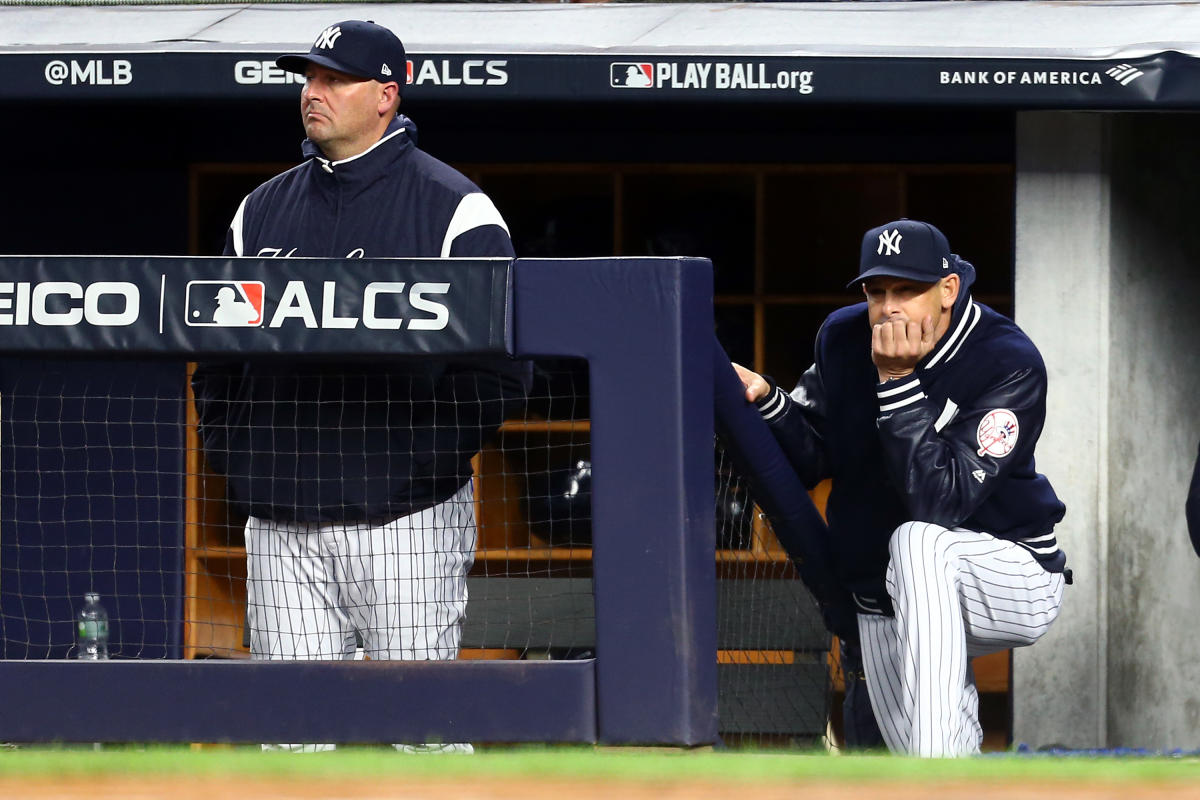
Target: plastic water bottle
x=91 y=627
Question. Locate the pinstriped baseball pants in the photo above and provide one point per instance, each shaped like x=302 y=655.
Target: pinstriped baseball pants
x=402 y=585
x=956 y=594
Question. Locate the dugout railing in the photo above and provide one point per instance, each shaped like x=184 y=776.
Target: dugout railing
x=644 y=326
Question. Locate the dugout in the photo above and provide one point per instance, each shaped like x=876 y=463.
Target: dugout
x=1012 y=125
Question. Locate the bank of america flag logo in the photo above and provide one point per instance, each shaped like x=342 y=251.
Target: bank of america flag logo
x=630 y=75
x=1124 y=74
x=225 y=304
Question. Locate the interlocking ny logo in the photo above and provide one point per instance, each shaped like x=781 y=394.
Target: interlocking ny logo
x=891 y=241
x=328 y=37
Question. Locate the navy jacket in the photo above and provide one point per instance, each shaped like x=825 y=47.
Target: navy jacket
x=391 y=201
x=952 y=444
x=1193 y=507
x=300 y=441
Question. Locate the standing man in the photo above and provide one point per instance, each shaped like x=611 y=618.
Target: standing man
x=356 y=477
x=924 y=408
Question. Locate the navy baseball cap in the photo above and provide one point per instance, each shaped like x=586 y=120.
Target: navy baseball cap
x=361 y=49
x=905 y=248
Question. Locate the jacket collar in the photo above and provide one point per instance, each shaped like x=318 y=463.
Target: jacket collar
x=395 y=140
x=960 y=329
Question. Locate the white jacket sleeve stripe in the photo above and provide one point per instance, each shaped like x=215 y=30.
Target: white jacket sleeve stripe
x=236 y=228
x=475 y=210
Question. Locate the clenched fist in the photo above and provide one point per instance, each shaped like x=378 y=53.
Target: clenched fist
x=897 y=344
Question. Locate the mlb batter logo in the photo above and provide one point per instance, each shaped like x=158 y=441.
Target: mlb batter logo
x=629 y=75
x=225 y=304
x=997 y=433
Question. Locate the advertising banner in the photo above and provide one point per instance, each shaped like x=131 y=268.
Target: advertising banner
x=254 y=306
x=1164 y=80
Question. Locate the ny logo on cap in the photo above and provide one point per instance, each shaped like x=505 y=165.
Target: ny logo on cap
x=328 y=37
x=891 y=241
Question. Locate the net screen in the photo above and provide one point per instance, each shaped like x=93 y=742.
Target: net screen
x=396 y=510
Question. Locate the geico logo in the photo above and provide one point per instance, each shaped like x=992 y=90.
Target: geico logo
x=69 y=303
x=252 y=73
x=469 y=73
x=378 y=299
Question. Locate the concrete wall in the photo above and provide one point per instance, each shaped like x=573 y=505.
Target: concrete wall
x=1154 y=423
x=1061 y=299
x=1107 y=278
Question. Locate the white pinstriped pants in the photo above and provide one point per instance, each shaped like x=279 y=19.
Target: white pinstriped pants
x=401 y=585
x=956 y=594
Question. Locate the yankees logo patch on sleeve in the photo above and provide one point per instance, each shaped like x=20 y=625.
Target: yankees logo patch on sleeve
x=997 y=433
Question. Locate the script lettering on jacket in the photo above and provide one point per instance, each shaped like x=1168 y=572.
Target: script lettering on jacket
x=383 y=305
x=104 y=303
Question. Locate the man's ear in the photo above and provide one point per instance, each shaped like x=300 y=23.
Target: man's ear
x=389 y=100
x=950 y=286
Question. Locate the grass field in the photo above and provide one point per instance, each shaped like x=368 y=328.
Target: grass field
x=575 y=773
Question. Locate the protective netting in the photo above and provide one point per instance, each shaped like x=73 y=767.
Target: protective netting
x=90 y=491
x=774 y=679
x=409 y=487
x=114 y=480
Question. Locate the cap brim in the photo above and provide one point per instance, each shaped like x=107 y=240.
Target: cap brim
x=895 y=272
x=298 y=63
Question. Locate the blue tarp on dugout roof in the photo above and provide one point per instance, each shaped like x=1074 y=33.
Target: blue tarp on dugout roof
x=1081 y=55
